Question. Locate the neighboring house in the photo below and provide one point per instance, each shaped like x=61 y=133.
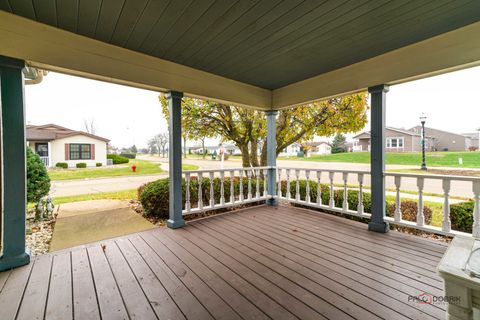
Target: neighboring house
x=397 y=140
x=56 y=144
x=444 y=140
x=319 y=148
x=291 y=150
x=472 y=140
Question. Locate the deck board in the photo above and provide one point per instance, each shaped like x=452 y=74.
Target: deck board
x=256 y=263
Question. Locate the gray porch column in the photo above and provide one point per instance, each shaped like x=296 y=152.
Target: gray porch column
x=272 y=155
x=13 y=171
x=377 y=122
x=175 y=159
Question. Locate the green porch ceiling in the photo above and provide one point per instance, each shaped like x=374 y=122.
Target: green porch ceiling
x=268 y=43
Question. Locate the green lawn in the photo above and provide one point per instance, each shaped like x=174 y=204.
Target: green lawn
x=143 y=167
x=434 y=159
x=115 y=195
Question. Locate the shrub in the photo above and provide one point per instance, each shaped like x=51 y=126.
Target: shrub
x=154 y=196
x=128 y=155
x=98 y=164
x=38 y=182
x=81 y=165
x=62 y=165
x=461 y=216
x=116 y=159
x=409 y=211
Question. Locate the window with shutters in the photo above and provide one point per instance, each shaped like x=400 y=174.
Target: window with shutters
x=80 y=151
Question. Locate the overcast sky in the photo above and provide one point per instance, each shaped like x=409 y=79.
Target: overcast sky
x=129 y=116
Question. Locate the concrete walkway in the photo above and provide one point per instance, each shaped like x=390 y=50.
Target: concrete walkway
x=89 y=221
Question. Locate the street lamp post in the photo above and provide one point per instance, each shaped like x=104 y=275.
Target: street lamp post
x=423 y=118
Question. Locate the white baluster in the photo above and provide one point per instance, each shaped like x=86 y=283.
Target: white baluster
x=257 y=187
x=240 y=196
x=360 y=209
x=297 y=185
x=307 y=187
x=222 y=188
x=288 y=195
x=279 y=188
x=249 y=176
x=332 y=199
x=420 y=215
x=212 y=191
x=265 y=178
x=200 y=193
x=446 y=224
x=345 y=191
x=232 y=188
x=187 y=192
x=476 y=209
x=319 y=188
x=397 y=216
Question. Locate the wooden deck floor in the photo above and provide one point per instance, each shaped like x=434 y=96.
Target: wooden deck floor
x=259 y=263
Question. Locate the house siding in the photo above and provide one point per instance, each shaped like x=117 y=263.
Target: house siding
x=445 y=140
x=58 y=150
x=411 y=143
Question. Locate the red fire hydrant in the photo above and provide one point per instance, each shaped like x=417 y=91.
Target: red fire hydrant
x=134 y=168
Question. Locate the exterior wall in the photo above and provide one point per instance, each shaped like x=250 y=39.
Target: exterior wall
x=323 y=149
x=445 y=140
x=58 y=150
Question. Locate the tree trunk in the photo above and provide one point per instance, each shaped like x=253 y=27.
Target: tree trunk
x=185 y=147
x=254 y=153
x=245 y=156
x=263 y=155
x=203 y=148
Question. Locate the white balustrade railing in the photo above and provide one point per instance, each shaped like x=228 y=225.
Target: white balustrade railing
x=348 y=180
x=228 y=193
x=303 y=195
x=46 y=161
x=238 y=186
x=446 y=182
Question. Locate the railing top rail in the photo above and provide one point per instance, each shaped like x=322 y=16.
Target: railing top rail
x=227 y=169
x=432 y=176
x=327 y=170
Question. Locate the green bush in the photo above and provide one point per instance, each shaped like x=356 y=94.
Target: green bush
x=38 y=182
x=81 y=165
x=128 y=155
x=98 y=164
x=461 y=216
x=116 y=159
x=62 y=165
x=154 y=196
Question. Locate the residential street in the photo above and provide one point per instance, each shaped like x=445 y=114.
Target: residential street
x=76 y=187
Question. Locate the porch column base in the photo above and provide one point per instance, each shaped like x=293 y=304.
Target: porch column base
x=272 y=202
x=8 y=263
x=175 y=224
x=380 y=227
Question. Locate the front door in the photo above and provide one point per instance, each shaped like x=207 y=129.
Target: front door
x=41 y=149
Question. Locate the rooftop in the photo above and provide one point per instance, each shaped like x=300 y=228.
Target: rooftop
x=50 y=132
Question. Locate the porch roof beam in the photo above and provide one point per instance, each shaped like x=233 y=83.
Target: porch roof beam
x=58 y=50
x=451 y=51
x=54 y=49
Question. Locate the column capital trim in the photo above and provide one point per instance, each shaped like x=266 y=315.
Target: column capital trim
x=174 y=94
x=7 y=62
x=271 y=112
x=379 y=88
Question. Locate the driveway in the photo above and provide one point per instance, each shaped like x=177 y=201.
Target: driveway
x=75 y=187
